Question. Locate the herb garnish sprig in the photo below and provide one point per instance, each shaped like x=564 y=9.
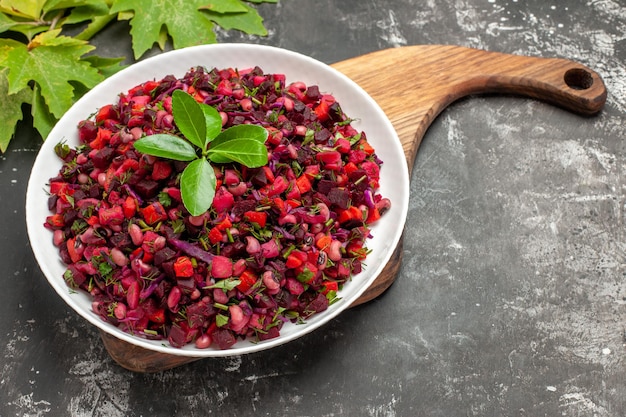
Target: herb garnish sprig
x=205 y=141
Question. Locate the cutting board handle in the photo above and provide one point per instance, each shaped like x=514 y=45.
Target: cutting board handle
x=413 y=84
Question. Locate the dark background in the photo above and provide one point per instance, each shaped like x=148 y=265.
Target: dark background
x=510 y=300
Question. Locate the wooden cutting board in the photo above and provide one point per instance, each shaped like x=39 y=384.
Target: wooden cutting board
x=413 y=85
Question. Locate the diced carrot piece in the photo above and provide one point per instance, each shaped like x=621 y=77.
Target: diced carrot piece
x=157 y=316
x=129 y=207
x=215 y=235
x=183 y=267
x=366 y=147
x=161 y=170
x=71 y=250
x=321 y=111
x=323 y=242
x=106 y=112
x=154 y=213
x=330 y=286
x=224 y=224
x=373 y=215
x=221 y=267
x=55 y=220
x=304 y=184
x=258 y=217
x=102 y=138
x=248 y=278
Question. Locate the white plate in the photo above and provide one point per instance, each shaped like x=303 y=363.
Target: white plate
x=357 y=104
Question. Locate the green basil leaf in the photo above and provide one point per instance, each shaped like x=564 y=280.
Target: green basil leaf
x=197 y=186
x=166 y=146
x=247 y=152
x=189 y=118
x=213 y=123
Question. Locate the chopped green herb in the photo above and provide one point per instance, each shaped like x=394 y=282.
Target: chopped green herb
x=221 y=320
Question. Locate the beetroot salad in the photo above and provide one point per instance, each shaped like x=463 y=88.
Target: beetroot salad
x=277 y=243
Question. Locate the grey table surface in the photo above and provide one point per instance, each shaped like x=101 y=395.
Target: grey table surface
x=511 y=297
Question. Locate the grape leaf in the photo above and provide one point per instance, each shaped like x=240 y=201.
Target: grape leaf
x=6 y=46
x=51 y=61
x=188 y=22
x=29 y=30
x=249 y=22
x=86 y=11
x=226 y=6
x=105 y=66
x=43 y=121
x=184 y=22
x=6 y=23
x=10 y=109
x=15 y=20
x=51 y=5
x=31 y=10
x=50 y=71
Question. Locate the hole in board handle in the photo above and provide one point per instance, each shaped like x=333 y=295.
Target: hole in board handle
x=578 y=79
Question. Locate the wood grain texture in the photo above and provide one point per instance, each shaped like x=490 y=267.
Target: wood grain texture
x=413 y=85
x=137 y=359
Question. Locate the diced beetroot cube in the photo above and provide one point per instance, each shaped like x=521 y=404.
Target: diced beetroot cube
x=319 y=304
x=372 y=169
x=111 y=216
x=339 y=197
x=294 y=286
x=74 y=277
x=224 y=338
x=147 y=188
x=224 y=88
x=177 y=336
x=329 y=157
x=102 y=157
x=163 y=255
x=221 y=267
x=271 y=333
x=279 y=185
x=161 y=170
x=87 y=131
x=312 y=93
